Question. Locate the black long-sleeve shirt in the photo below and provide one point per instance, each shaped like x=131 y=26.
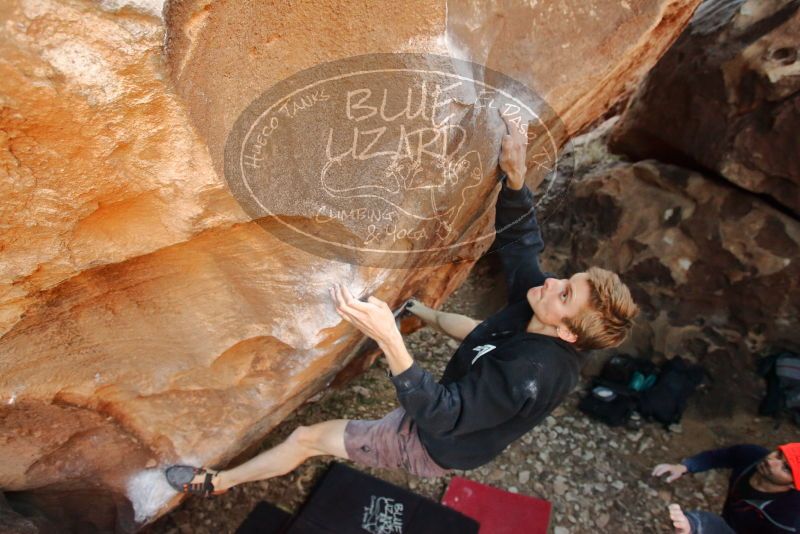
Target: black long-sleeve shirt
x=747 y=510
x=502 y=381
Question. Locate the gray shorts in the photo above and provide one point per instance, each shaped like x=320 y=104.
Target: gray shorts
x=391 y=443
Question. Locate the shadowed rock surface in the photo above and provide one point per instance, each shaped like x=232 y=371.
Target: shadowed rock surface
x=723 y=100
x=716 y=270
x=726 y=98
x=145 y=320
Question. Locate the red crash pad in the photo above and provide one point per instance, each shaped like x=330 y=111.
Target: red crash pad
x=498 y=511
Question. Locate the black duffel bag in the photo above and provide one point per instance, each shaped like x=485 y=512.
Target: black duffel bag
x=666 y=400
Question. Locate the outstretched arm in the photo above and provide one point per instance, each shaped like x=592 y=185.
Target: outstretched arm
x=518 y=241
x=726 y=458
x=451 y=324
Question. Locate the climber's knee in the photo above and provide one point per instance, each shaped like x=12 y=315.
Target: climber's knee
x=305 y=437
x=322 y=438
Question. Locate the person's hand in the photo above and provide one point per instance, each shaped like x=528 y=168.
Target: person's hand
x=513 y=151
x=679 y=520
x=673 y=471
x=373 y=318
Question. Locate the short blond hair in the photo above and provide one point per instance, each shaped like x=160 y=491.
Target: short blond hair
x=608 y=318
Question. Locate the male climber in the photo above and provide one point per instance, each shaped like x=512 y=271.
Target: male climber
x=763 y=491
x=508 y=374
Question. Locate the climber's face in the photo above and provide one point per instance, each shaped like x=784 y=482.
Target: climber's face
x=558 y=299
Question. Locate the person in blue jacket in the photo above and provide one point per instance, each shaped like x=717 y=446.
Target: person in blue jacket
x=763 y=491
x=509 y=372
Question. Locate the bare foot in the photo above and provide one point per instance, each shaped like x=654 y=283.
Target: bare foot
x=679 y=520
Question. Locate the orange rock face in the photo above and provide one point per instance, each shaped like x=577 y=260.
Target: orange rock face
x=146 y=318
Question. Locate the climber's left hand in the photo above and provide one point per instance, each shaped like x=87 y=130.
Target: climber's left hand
x=373 y=317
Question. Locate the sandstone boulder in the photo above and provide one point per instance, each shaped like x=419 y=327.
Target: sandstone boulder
x=607 y=46
x=726 y=98
x=146 y=319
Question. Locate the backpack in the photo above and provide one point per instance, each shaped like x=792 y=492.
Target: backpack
x=666 y=401
x=613 y=411
x=621 y=369
x=613 y=395
x=782 y=374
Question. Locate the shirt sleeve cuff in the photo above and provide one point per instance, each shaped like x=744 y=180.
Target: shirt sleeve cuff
x=514 y=194
x=409 y=379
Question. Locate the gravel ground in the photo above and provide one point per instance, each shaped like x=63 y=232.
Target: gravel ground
x=598 y=478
